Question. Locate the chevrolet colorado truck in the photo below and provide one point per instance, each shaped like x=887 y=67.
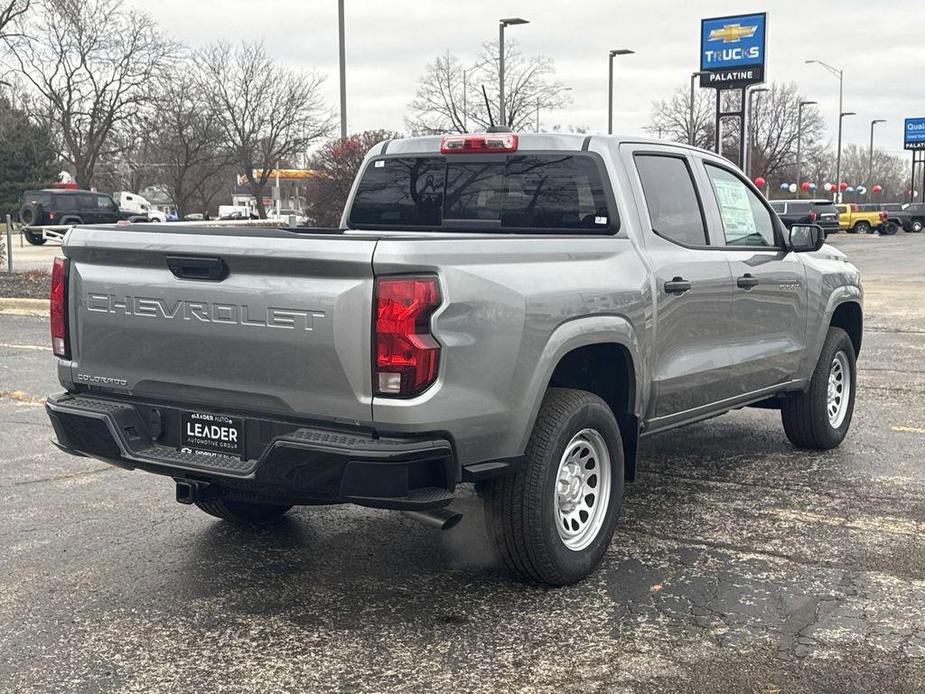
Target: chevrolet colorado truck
x=510 y=311
x=856 y=220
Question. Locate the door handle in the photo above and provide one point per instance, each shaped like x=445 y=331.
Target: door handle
x=678 y=285
x=746 y=281
x=197 y=268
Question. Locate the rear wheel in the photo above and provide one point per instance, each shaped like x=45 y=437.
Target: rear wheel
x=862 y=227
x=820 y=417
x=552 y=521
x=243 y=513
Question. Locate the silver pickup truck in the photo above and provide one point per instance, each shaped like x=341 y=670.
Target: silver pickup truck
x=513 y=311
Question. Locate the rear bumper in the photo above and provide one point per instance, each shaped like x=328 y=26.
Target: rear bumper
x=285 y=462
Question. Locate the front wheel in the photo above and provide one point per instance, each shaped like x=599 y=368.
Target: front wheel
x=241 y=512
x=819 y=418
x=888 y=229
x=916 y=226
x=552 y=521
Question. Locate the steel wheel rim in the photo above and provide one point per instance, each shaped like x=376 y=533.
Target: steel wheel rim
x=839 y=390
x=582 y=489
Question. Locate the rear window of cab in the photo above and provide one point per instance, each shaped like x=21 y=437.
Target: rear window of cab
x=516 y=192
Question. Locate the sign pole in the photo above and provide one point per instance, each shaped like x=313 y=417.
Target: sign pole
x=718 y=127
x=743 y=144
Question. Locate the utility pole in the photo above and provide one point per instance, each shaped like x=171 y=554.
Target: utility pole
x=800 y=143
x=614 y=52
x=870 y=158
x=752 y=132
x=343 y=70
x=502 y=24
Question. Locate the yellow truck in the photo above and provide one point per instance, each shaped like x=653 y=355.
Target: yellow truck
x=857 y=221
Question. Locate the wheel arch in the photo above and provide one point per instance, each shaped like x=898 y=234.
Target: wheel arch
x=849 y=316
x=598 y=354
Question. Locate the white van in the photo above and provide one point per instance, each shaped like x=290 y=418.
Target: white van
x=136 y=203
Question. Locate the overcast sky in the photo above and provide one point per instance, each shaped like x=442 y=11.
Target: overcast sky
x=880 y=44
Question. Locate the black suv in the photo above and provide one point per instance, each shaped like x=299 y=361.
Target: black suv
x=916 y=212
x=821 y=212
x=62 y=206
x=897 y=218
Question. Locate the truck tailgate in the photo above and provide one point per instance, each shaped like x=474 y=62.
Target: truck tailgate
x=286 y=330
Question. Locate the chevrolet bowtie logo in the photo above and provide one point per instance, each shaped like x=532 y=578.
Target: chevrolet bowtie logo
x=732 y=33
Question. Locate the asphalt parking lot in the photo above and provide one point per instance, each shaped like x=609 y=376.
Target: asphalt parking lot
x=740 y=564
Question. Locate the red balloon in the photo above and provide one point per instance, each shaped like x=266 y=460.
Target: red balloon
x=877 y=188
x=804 y=186
x=760 y=182
x=843 y=186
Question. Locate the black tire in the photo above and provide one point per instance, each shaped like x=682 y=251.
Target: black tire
x=521 y=509
x=861 y=227
x=30 y=214
x=67 y=221
x=888 y=228
x=917 y=226
x=242 y=512
x=34 y=237
x=805 y=415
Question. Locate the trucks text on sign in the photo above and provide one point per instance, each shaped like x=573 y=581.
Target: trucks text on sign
x=732 y=50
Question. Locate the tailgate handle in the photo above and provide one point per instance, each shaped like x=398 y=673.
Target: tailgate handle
x=197 y=268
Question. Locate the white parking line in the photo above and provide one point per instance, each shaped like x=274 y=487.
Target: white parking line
x=41 y=348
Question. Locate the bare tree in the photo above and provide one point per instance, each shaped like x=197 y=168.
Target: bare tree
x=266 y=113
x=671 y=118
x=10 y=12
x=93 y=62
x=188 y=143
x=889 y=171
x=449 y=97
x=772 y=128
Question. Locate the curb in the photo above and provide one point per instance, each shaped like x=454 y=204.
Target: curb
x=24 y=307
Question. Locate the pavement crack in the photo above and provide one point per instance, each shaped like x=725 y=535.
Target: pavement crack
x=58 y=478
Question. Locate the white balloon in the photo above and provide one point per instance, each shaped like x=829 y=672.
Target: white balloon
x=793 y=187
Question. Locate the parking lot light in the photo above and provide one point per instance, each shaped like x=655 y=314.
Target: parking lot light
x=614 y=52
x=502 y=24
x=803 y=104
x=870 y=159
x=840 y=74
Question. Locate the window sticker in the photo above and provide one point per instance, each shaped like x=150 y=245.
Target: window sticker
x=738 y=220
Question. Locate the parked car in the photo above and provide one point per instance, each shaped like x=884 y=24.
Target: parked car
x=62 y=207
x=239 y=214
x=194 y=217
x=821 y=212
x=856 y=221
x=916 y=212
x=509 y=311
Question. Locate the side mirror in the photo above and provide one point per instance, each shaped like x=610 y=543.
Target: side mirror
x=805 y=238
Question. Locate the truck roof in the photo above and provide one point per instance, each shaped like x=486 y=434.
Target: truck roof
x=429 y=144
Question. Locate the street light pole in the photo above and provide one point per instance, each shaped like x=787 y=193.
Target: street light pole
x=841 y=117
x=752 y=131
x=616 y=51
x=840 y=74
x=870 y=158
x=691 y=138
x=502 y=24
x=800 y=143
x=343 y=70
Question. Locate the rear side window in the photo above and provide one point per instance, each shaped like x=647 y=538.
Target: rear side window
x=779 y=207
x=802 y=208
x=674 y=208
x=534 y=192
x=86 y=201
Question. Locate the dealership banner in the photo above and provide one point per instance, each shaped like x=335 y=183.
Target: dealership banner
x=732 y=50
x=914 y=133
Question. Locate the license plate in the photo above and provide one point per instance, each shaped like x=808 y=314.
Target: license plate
x=212 y=433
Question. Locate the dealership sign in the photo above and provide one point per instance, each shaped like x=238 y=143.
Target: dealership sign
x=732 y=50
x=914 y=133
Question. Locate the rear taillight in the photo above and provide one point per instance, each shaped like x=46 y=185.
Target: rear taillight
x=58 y=309
x=464 y=144
x=406 y=352
x=813 y=216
